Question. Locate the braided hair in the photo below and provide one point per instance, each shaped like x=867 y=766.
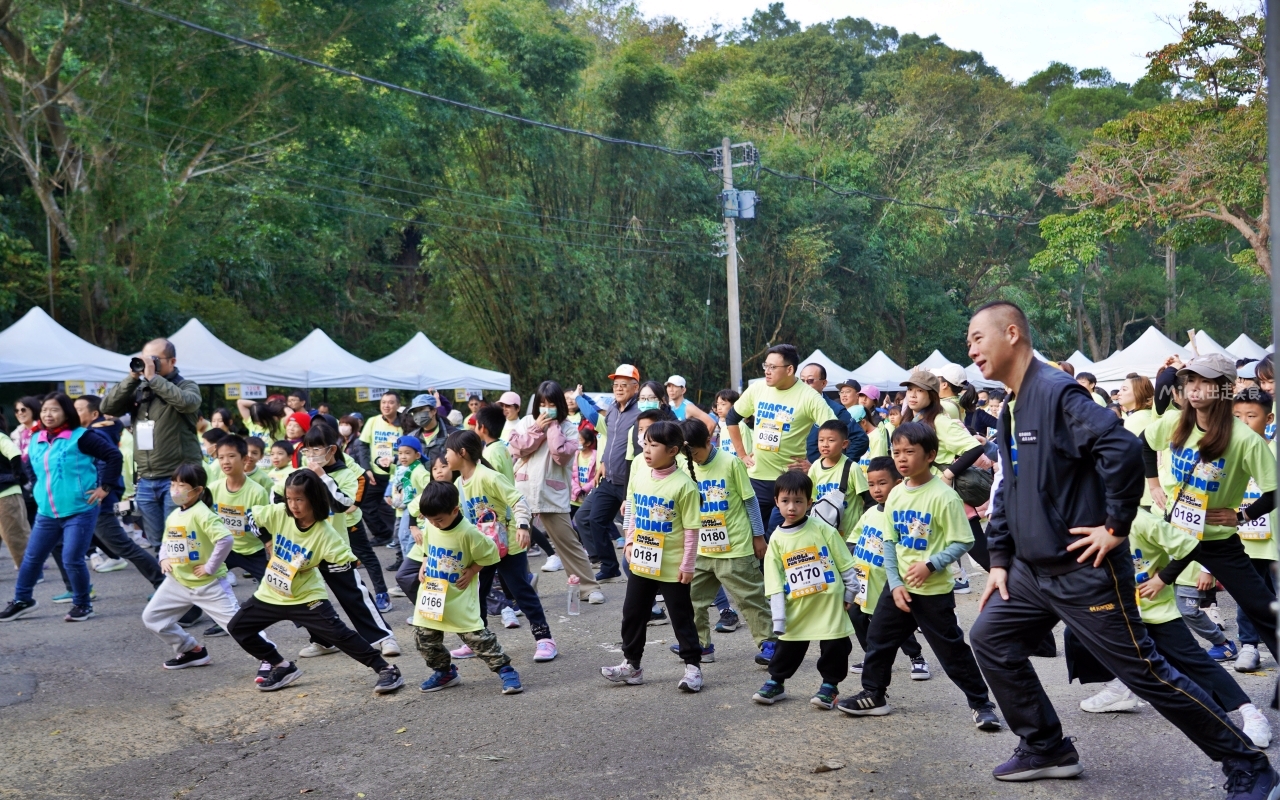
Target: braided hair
x=670 y=434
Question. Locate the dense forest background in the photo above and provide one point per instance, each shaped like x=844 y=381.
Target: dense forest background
x=177 y=175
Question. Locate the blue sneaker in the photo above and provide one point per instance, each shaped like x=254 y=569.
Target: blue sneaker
x=67 y=597
x=708 y=652
x=383 y=601
x=510 y=680
x=766 y=652
x=1247 y=783
x=1227 y=651
x=441 y=680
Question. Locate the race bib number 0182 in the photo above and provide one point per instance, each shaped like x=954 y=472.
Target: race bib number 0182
x=1189 y=512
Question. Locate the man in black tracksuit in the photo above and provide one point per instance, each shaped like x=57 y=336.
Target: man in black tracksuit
x=1071 y=479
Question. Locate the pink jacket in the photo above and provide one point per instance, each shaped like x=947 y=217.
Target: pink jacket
x=544 y=464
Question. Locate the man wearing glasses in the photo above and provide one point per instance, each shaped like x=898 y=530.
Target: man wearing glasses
x=784 y=410
x=614 y=466
x=815 y=377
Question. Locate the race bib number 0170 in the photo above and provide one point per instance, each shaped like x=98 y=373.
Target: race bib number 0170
x=805 y=572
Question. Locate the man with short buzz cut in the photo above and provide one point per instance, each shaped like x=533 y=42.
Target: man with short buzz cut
x=164 y=408
x=1070 y=483
x=815 y=375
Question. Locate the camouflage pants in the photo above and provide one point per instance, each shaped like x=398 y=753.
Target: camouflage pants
x=430 y=643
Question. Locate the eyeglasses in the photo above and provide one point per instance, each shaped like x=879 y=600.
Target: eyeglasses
x=809 y=381
x=315 y=452
x=767 y=367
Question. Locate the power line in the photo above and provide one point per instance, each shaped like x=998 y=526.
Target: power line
x=398 y=88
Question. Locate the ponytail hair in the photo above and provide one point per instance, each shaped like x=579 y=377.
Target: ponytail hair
x=468 y=445
x=193 y=474
x=670 y=434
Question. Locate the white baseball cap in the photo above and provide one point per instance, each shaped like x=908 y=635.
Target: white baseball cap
x=951 y=373
x=676 y=380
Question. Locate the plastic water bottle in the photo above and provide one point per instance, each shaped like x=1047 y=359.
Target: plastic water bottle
x=575 y=602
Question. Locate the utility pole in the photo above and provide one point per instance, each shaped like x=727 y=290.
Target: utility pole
x=731 y=270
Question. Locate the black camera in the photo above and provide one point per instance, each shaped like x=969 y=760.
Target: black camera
x=137 y=365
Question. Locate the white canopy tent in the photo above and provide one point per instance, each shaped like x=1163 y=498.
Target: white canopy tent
x=974 y=376
x=1144 y=357
x=1081 y=362
x=934 y=361
x=322 y=364
x=1206 y=345
x=435 y=368
x=37 y=348
x=835 y=372
x=881 y=372
x=1244 y=347
x=203 y=358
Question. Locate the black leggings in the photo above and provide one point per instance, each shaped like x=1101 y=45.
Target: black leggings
x=1231 y=565
x=979 y=550
x=637 y=608
x=319 y=618
x=358 y=535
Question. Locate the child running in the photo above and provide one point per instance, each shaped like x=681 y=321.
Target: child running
x=192 y=557
x=661 y=520
x=929 y=531
x=452 y=553
x=868 y=540
x=232 y=496
x=810 y=580
x=301 y=540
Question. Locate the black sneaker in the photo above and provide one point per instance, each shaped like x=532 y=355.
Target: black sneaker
x=919 y=669
x=264 y=671
x=1244 y=782
x=658 y=617
x=78 y=614
x=856 y=667
x=865 y=704
x=17 y=609
x=389 y=679
x=192 y=658
x=728 y=621
x=1062 y=762
x=189 y=619
x=985 y=718
x=280 y=677
x=395 y=565
x=215 y=630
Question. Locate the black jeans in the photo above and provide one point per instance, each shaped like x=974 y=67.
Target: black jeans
x=320 y=619
x=636 y=609
x=1233 y=568
x=862 y=622
x=606 y=500
x=768 y=511
x=358 y=535
x=1174 y=641
x=833 y=659
x=344 y=582
x=407 y=580
x=379 y=516
x=1100 y=606
x=979 y=552
x=935 y=615
x=255 y=563
x=513 y=570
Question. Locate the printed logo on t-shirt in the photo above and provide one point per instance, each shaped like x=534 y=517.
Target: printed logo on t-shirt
x=913 y=528
x=715 y=495
x=444 y=563
x=478 y=508
x=781 y=414
x=870 y=546
x=286 y=549
x=1189 y=469
x=652 y=513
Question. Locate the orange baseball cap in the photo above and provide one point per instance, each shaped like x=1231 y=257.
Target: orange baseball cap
x=625 y=371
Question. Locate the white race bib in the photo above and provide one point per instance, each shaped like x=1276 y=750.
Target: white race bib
x=714 y=535
x=177 y=548
x=768 y=435
x=1189 y=511
x=280 y=574
x=805 y=572
x=233 y=518
x=646 y=554
x=430 y=601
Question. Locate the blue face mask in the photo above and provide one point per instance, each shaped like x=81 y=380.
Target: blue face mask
x=648 y=405
x=858 y=413
x=550 y=412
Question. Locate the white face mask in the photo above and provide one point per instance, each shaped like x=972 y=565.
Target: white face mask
x=344 y=430
x=178 y=494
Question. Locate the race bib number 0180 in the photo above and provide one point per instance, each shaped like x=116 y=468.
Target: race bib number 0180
x=805 y=572
x=646 y=554
x=714 y=535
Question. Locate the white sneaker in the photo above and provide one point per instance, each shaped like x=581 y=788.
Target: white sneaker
x=95 y=560
x=553 y=564
x=312 y=650
x=595 y=598
x=111 y=565
x=389 y=646
x=624 y=673
x=509 y=619
x=231 y=578
x=1248 y=658
x=396 y=591
x=692 y=680
x=1256 y=726
x=1115 y=696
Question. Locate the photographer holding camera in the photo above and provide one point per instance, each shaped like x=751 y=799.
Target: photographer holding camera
x=164 y=407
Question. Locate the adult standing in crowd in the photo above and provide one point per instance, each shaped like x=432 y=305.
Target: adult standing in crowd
x=545 y=448
x=684 y=408
x=613 y=464
x=27 y=410
x=15 y=529
x=69 y=489
x=1068 y=494
x=379 y=437
x=785 y=410
x=428 y=412
x=815 y=377
x=164 y=408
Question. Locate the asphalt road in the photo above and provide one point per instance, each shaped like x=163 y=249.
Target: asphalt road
x=88 y=712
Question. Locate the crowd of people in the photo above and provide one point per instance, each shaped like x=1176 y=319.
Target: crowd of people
x=814 y=513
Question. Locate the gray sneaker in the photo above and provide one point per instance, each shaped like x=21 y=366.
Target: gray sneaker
x=1248 y=658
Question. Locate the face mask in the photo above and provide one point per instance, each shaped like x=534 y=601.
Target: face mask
x=858 y=413
x=179 y=495
x=345 y=430
x=550 y=412
x=422 y=417
x=648 y=405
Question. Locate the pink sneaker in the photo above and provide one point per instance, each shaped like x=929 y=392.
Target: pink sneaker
x=546 y=650
x=463 y=652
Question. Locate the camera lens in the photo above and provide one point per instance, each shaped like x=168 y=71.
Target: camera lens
x=136 y=365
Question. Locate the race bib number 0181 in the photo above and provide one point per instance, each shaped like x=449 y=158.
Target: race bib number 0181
x=646 y=554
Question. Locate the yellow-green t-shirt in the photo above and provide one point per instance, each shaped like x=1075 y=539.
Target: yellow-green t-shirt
x=723 y=488
x=805 y=565
x=294 y=555
x=1219 y=484
x=868 y=539
x=954 y=439
x=127 y=469
x=499 y=457
x=231 y=506
x=445 y=554
x=213 y=472
x=490 y=495
x=783 y=420
x=1259 y=535
x=951 y=406
x=924 y=520
x=1136 y=423
x=262 y=433
x=878 y=446
x=726 y=442
x=189 y=535
x=826 y=479
x=278 y=476
x=381 y=437
x=1153 y=543
x=260 y=477
x=661 y=511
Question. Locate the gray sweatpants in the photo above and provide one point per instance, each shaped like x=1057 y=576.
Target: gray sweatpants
x=172 y=600
x=1194 y=616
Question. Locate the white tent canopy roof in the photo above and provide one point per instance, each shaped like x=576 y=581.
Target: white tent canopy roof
x=1144 y=357
x=934 y=361
x=203 y=358
x=1206 y=345
x=37 y=348
x=974 y=376
x=435 y=368
x=1244 y=347
x=321 y=363
x=1080 y=361
x=881 y=372
x=835 y=372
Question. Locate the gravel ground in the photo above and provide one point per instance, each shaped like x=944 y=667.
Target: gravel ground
x=90 y=713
